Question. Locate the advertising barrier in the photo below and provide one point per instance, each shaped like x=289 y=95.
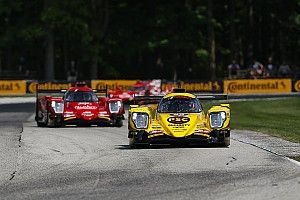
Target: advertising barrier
x=12 y=87
x=31 y=86
x=296 y=86
x=254 y=86
x=241 y=86
x=112 y=84
x=196 y=86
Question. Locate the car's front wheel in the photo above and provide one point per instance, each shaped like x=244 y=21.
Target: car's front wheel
x=41 y=124
x=138 y=141
x=226 y=142
x=119 y=122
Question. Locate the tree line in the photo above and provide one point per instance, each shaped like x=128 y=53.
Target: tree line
x=131 y=39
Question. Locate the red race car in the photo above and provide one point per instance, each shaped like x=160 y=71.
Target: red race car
x=80 y=106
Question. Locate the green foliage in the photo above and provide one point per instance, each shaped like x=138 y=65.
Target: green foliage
x=202 y=53
x=276 y=117
x=134 y=35
x=297 y=19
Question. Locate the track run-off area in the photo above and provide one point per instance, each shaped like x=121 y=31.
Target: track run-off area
x=97 y=163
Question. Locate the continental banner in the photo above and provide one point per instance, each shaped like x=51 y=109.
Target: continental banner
x=296 y=85
x=112 y=84
x=31 y=86
x=258 y=86
x=199 y=86
x=12 y=87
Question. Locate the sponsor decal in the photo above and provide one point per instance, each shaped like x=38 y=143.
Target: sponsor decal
x=209 y=86
x=17 y=87
x=178 y=120
x=112 y=84
x=87 y=114
x=87 y=107
x=48 y=86
x=84 y=103
x=258 y=86
x=297 y=86
x=179 y=114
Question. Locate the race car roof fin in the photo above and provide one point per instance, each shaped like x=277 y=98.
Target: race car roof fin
x=144 y=100
x=80 y=84
x=178 y=90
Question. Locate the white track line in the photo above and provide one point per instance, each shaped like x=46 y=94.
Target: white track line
x=16 y=100
x=270 y=151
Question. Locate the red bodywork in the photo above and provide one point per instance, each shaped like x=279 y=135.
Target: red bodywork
x=59 y=111
x=140 y=88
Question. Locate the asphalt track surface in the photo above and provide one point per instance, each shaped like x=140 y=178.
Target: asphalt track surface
x=96 y=163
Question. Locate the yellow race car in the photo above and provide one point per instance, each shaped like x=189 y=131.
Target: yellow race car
x=178 y=118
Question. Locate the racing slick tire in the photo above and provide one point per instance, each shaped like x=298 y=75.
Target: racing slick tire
x=119 y=122
x=53 y=123
x=138 y=141
x=226 y=142
x=132 y=143
x=41 y=124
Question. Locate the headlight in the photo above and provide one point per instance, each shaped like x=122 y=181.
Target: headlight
x=58 y=107
x=114 y=106
x=217 y=119
x=140 y=120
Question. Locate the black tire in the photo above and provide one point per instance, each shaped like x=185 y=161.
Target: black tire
x=49 y=122
x=226 y=142
x=40 y=124
x=132 y=142
x=119 y=122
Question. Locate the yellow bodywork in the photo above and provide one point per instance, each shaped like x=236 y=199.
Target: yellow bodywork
x=178 y=125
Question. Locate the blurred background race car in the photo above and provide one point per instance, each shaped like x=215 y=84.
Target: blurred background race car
x=140 y=88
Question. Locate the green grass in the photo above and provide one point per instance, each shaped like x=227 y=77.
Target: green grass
x=276 y=117
x=296 y=158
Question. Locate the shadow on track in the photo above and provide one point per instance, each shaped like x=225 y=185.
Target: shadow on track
x=168 y=146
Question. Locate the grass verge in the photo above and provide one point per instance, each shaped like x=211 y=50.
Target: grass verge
x=296 y=158
x=276 y=117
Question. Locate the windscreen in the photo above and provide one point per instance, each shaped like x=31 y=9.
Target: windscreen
x=180 y=105
x=80 y=96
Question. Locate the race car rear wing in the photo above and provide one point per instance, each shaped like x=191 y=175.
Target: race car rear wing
x=43 y=91
x=101 y=91
x=145 y=100
x=212 y=96
x=62 y=91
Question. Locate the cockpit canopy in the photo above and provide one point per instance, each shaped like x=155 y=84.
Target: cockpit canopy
x=80 y=96
x=179 y=104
